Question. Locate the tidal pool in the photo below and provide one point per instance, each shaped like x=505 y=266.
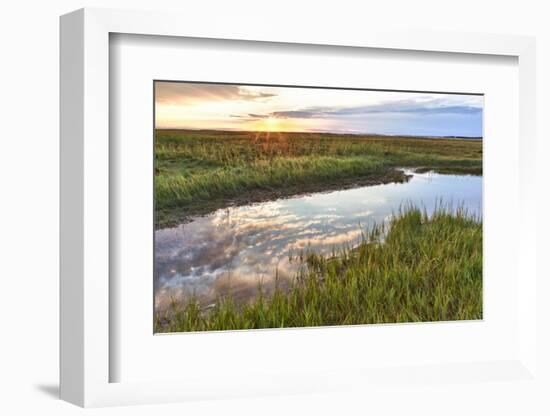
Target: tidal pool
x=236 y=248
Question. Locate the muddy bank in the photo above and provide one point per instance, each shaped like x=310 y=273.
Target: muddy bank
x=178 y=215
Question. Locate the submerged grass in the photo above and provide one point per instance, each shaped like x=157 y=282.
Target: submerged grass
x=200 y=171
x=417 y=267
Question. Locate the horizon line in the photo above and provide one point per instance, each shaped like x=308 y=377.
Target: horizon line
x=322 y=132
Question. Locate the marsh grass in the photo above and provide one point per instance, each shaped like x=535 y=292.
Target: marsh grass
x=414 y=268
x=200 y=171
x=227 y=181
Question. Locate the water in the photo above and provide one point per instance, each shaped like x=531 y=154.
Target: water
x=238 y=247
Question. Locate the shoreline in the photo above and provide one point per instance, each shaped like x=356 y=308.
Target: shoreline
x=173 y=217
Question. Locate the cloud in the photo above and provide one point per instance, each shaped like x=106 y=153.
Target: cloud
x=298 y=114
x=259 y=95
x=249 y=117
x=407 y=106
x=175 y=93
x=256 y=116
x=433 y=106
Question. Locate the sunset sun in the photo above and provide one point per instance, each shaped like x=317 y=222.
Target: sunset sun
x=271 y=124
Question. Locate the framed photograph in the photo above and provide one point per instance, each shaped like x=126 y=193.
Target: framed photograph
x=276 y=212
x=287 y=206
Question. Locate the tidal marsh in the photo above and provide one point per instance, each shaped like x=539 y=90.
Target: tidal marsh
x=197 y=172
x=293 y=206
x=418 y=266
x=415 y=268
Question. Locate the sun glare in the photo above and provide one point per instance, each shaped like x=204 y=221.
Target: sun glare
x=271 y=124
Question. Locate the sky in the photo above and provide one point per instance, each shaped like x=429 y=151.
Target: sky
x=259 y=108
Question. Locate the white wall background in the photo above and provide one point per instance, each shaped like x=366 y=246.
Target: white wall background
x=29 y=56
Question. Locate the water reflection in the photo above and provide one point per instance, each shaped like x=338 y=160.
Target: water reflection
x=238 y=247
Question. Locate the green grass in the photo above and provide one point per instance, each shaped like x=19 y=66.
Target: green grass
x=415 y=268
x=200 y=171
x=227 y=181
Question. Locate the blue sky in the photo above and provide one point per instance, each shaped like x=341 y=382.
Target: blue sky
x=258 y=108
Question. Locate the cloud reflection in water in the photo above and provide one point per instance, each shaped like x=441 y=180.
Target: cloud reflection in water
x=237 y=247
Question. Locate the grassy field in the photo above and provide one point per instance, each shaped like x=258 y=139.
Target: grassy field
x=200 y=171
x=415 y=268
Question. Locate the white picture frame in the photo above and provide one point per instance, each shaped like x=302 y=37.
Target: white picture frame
x=85 y=353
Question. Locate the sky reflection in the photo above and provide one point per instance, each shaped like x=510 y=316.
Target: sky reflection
x=237 y=247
